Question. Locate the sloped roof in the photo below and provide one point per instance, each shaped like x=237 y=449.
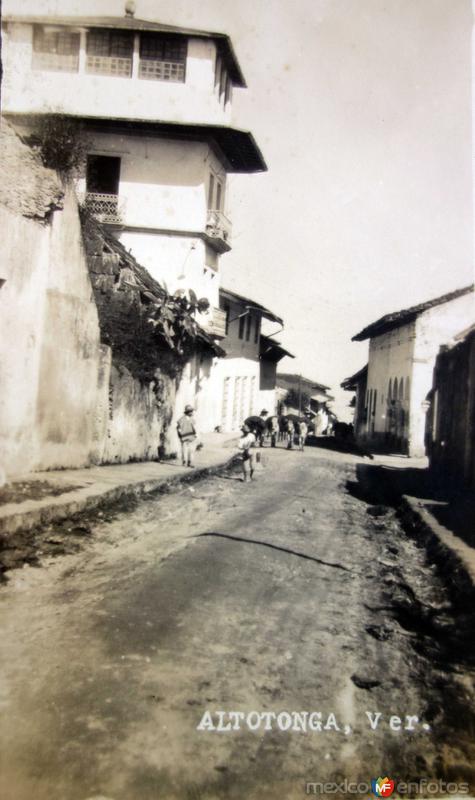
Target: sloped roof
x=271 y=350
x=130 y=23
x=238 y=147
x=349 y=384
x=398 y=318
x=27 y=187
x=290 y=380
x=239 y=298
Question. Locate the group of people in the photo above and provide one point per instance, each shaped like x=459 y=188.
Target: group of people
x=254 y=432
x=256 y=429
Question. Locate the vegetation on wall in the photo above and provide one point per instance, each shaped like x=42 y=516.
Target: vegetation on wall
x=61 y=143
x=148 y=328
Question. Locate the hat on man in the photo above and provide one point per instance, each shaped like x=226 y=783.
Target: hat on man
x=264 y=411
x=189 y=409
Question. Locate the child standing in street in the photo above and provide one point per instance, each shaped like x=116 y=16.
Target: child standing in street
x=245 y=445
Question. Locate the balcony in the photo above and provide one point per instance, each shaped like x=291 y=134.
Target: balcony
x=105 y=207
x=218 y=231
x=214 y=323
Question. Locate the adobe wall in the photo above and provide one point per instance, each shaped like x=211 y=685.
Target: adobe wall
x=66 y=400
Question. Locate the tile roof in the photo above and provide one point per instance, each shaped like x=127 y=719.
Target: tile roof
x=349 y=384
x=253 y=305
x=398 y=318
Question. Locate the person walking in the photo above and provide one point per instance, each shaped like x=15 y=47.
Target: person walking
x=273 y=428
x=187 y=434
x=245 y=445
x=289 y=433
x=302 y=432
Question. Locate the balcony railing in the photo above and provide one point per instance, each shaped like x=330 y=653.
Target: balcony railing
x=109 y=65
x=104 y=207
x=155 y=70
x=219 y=227
x=214 y=323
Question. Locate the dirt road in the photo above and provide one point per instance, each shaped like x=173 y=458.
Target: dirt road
x=291 y=594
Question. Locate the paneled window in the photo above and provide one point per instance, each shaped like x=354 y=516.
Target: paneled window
x=242 y=323
x=248 y=327
x=257 y=330
x=55 y=50
x=162 y=58
x=227 y=311
x=215 y=193
x=110 y=52
x=222 y=81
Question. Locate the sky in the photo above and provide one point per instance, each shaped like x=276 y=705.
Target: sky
x=362 y=109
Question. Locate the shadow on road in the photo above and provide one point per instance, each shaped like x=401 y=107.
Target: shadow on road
x=452 y=506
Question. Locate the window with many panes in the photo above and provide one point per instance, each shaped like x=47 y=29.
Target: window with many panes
x=163 y=58
x=257 y=330
x=248 y=327
x=110 y=52
x=55 y=50
x=215 y=192
x=222 y=81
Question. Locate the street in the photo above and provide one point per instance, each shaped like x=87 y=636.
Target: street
x=289 y=594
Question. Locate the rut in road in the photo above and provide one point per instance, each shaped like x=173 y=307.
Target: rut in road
x=155 y=622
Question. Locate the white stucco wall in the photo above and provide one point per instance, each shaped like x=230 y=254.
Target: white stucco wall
x=433 y=328
x=408 y=353
x=30 y=90
x=390 y=358
x=163 y=182
x=50 y=349
x=164 y=187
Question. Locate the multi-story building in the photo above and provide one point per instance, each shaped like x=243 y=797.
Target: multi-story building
x=155 y=104
x=403 y=347
x=245 y=380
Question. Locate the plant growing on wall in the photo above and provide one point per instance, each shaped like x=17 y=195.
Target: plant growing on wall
x=148 y=328
x=61 y=143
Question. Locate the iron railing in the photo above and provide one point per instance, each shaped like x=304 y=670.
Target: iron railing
x=104 y=207
x=218 y=225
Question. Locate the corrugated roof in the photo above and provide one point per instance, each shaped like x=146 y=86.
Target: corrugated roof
x=237 y=146
x=133 y=24
x=252 y=304
x=398 y=318
x=349 y=384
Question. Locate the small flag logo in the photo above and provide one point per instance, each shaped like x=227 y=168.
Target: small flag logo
x=382 y=787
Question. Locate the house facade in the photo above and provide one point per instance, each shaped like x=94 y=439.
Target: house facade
x=154 y=102
x=402 y=350
x=317 y=393
x=244 y=381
